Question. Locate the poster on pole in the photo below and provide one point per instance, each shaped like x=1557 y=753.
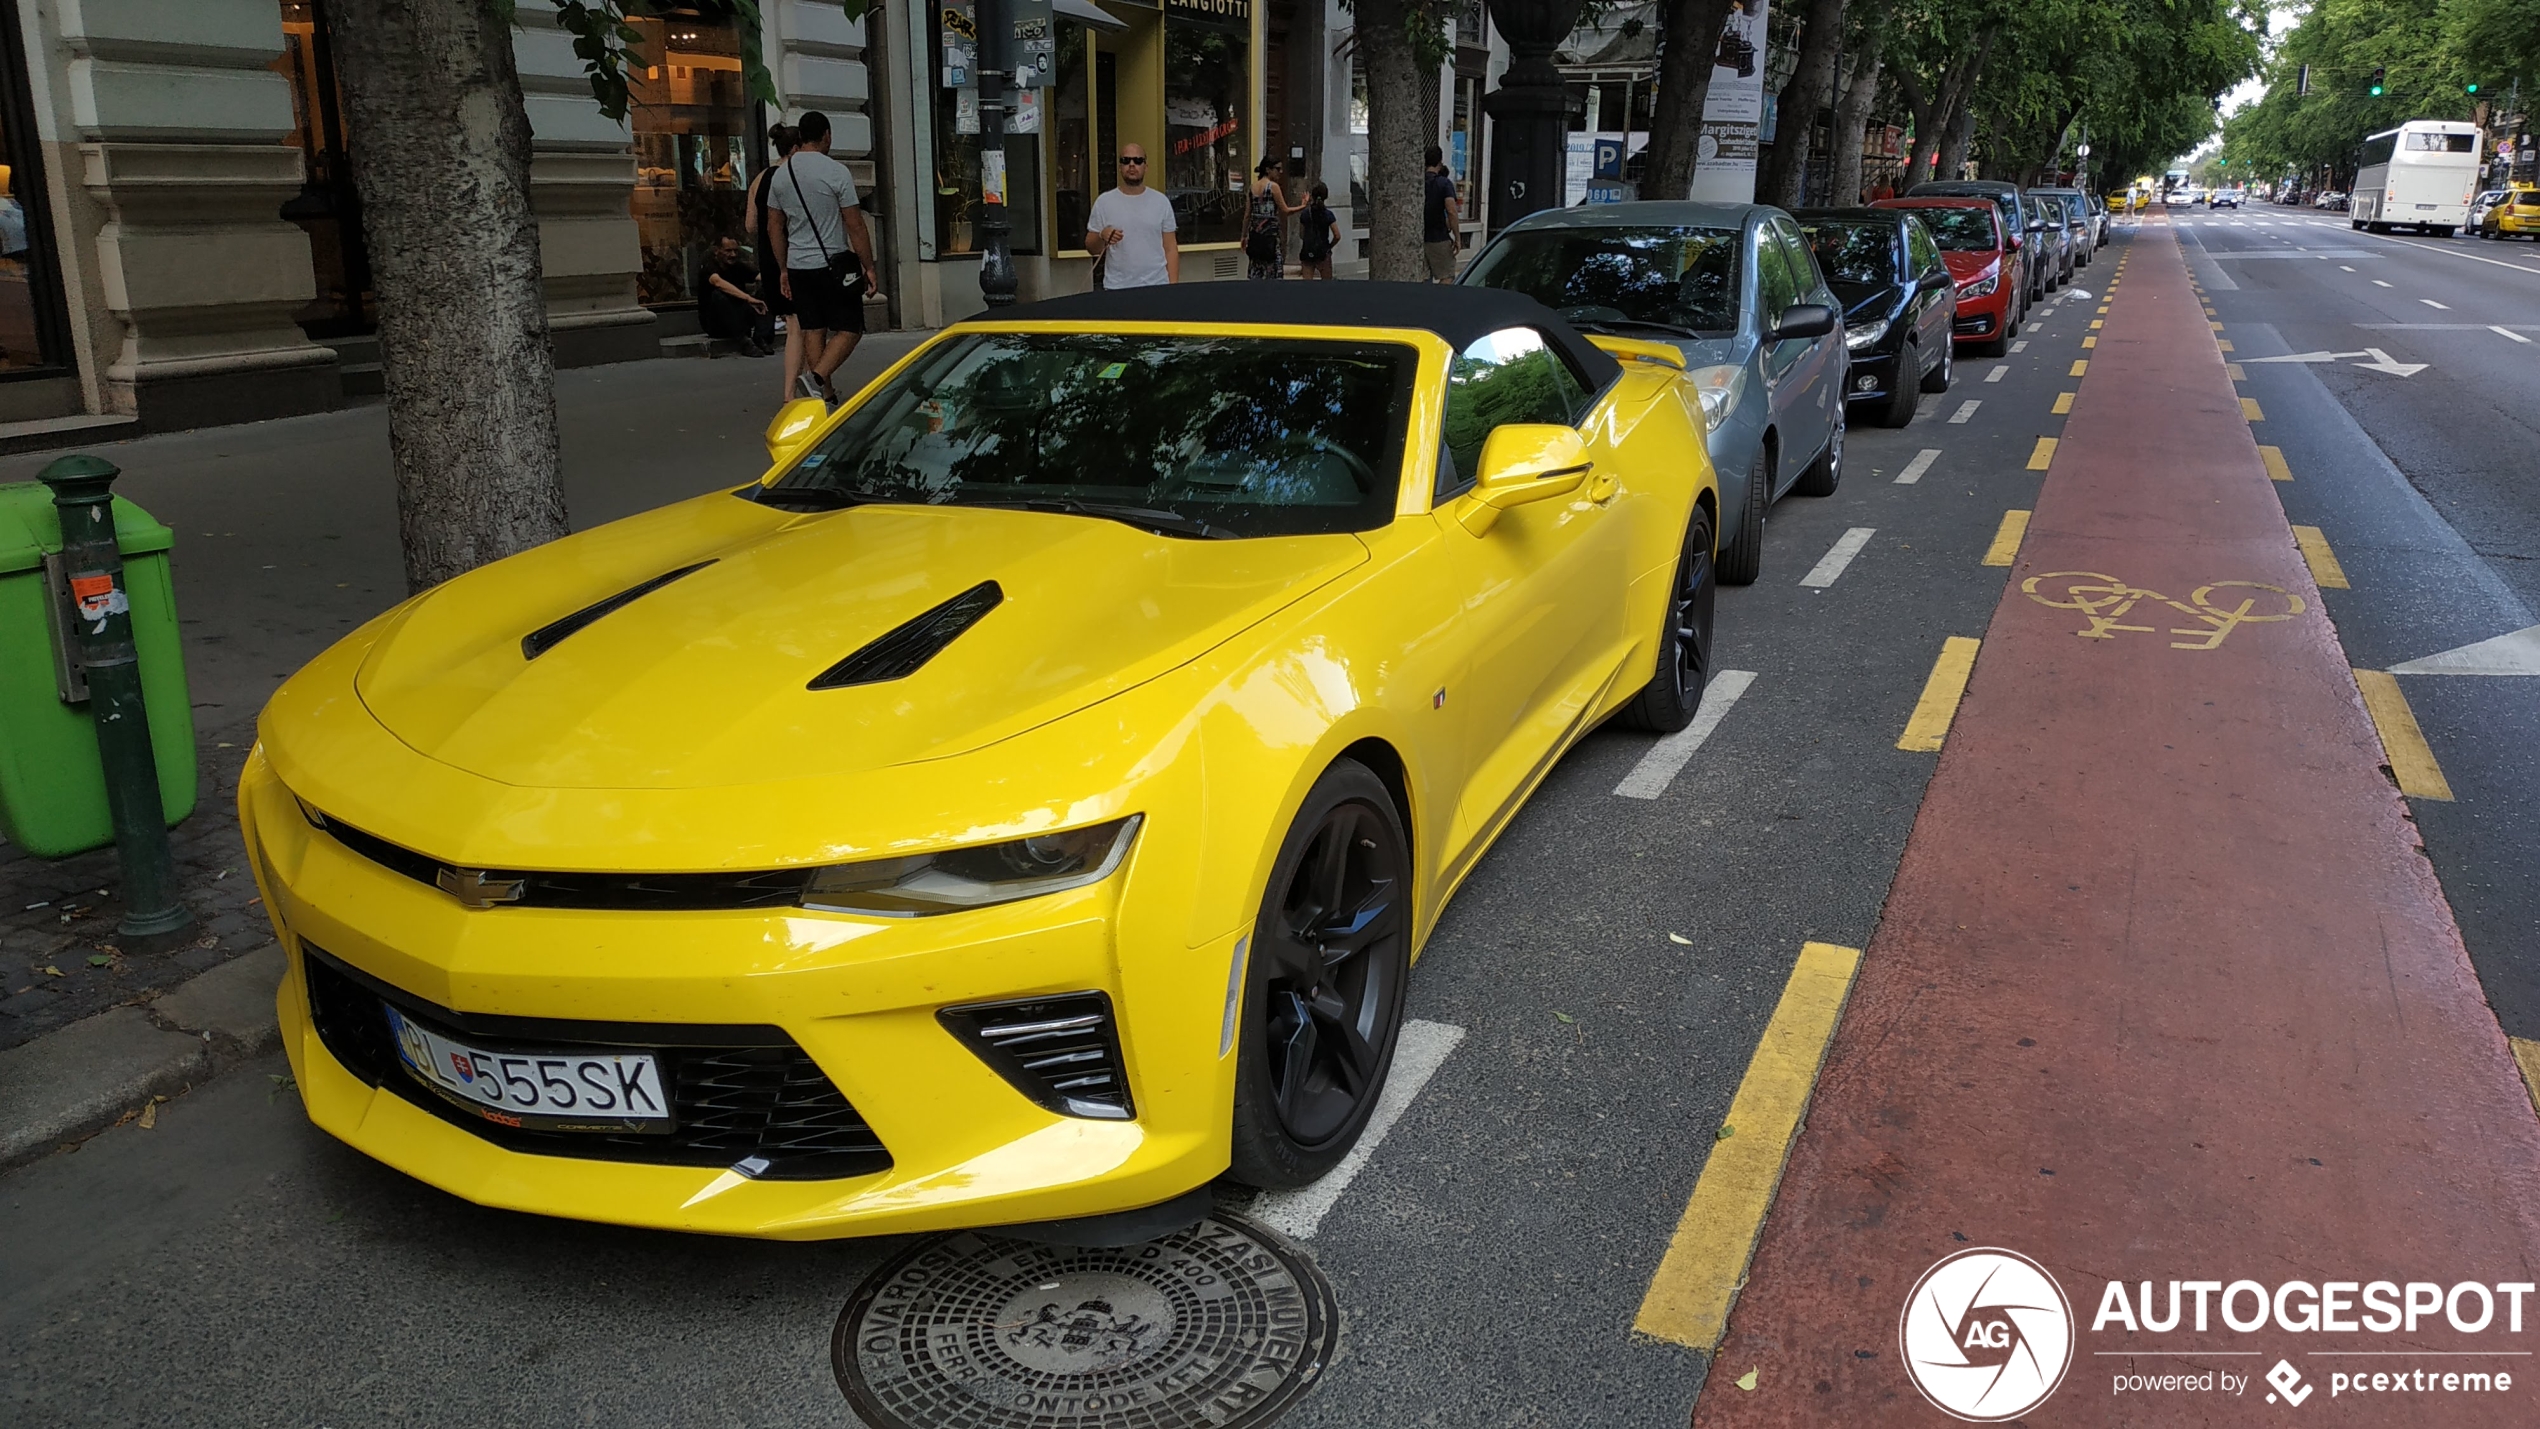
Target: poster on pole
x=1733 y=110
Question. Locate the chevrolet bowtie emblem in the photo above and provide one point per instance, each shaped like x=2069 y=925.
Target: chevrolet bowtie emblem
x=477 y=888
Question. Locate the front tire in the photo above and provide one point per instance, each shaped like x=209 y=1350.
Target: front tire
x=1826 y=472
x=1898 y=409
x=1667 y=703
x=1742 y=560
x=1938 y=379
x=1324 y=982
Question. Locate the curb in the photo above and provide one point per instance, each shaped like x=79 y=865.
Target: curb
x=75 y=1082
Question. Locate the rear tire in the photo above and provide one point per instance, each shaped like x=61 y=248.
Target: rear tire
x=1323 y=983
x=1898 y=409
x=1667 y=703
x=1826 y=472
x=1742 y=560
x=1946 y=372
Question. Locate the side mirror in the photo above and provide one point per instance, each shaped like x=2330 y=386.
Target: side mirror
x=791 y=431
x=1803 y=320
x=1934 y=280
x=1523 y=463
x=2015 y=243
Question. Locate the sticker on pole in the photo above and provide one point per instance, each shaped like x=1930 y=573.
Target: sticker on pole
x=96 y=597
x=1987 y=1335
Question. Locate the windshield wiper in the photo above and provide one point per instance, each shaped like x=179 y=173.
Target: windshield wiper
x=1145 y=518
x=808 y=498
x=1608 y=326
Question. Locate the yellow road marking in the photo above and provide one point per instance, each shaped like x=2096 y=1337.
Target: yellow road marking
x=2063 y=403
x=2080 y=366
x=2006 y=539
x=2097 y=323
x=1925 y=728
x=2249 y=409
x=2274 y=458
x=2090 y=342
x=2235 y=372
x=1705 y=1265
x=2325 y=572
x=2215 y=326
x=2527 y=1057
x=2224 y=345
x=2411 y=758
x=2041 y=454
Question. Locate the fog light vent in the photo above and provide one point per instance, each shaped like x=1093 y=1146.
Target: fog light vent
x=1063 y=1052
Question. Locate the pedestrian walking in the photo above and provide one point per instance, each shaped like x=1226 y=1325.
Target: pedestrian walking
x=1318 y=233
x=1441 y=211
x=1130 y=231
x=829 y=267
x=771 y=260
x=1265 y=230
x=728 y=308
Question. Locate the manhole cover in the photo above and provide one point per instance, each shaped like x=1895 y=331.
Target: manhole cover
x=1219 y=1324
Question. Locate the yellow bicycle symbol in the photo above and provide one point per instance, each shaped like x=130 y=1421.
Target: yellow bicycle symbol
x=2219 y=607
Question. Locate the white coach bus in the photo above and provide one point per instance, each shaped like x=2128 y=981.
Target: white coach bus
x=2421 y=173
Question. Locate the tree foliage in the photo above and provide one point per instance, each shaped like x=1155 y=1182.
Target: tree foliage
x=2428 y=55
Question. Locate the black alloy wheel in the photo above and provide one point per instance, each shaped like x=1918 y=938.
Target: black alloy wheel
x=1674 y=692
x=1323 y=992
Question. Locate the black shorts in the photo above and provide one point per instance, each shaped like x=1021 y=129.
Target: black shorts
x=822 y=303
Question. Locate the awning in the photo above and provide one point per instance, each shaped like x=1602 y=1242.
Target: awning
x=1086 y=12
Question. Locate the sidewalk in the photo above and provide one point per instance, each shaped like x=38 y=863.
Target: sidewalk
x=287 y=537
x=2164 y=990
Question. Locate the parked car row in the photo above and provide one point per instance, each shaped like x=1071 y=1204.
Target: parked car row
x=2506 y=213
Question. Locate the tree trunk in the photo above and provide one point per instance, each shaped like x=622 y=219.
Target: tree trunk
x=1852 y=116
x=1955 y=141
x=432 y=102
x=1935 y=123
x=1398 y=137
x=1926 y=130
x=1690 y=40
x=1785 y=174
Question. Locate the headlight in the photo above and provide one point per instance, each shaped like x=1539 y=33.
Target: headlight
x=1983 y=286
x=1856 y=338
x=1719 y=387
x=977 y=877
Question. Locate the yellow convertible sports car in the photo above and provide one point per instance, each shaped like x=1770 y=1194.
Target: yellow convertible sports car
x=1023 y=804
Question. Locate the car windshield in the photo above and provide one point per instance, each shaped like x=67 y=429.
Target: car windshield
x=1671 y=280
x=1863 y=253
x=1960 y=230
x=1182 y=435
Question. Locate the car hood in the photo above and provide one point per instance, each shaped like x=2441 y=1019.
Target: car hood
x=1712 y=351
x=1967 y=267
x=704 y=681
x=1864 y=300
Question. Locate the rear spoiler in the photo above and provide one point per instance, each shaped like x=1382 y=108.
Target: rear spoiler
x=1632 y=349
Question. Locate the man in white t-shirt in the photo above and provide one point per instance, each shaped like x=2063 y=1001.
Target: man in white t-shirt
x=812 y=218
x=1131 y=229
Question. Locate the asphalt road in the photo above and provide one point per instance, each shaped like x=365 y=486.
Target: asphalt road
x=233 y=1266
x=2422 y=485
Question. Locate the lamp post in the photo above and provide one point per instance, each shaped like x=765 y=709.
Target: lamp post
x=1530 y=146
x=996 y=51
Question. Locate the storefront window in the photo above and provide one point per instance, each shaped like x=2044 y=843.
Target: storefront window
x=1207 y=76
x=690 y=111
x=957 y=132
x=1071 y=137
x=33 y=332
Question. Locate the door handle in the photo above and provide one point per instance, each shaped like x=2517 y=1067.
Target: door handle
x=1604 y=488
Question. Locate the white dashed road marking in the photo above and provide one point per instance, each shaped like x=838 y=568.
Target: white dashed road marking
x=1838 y=556
x=1422 y=1049
x=2509 y=332
x=2429 y=302
x=2020 y=346
x=1965 y=411
x=2379 y=284
x=1997 y=374
x=1667 y=758
x=1921 y=463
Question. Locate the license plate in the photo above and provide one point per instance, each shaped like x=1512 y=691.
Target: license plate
x=548 y=1091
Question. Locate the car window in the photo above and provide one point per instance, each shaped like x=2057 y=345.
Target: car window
x=1512 y=375
x=1803 y=265
x=1776 y=288
x=1961 y=230
x=1625 y=279
x=1243 y=436
x=1853 y=252
x=1921 y=254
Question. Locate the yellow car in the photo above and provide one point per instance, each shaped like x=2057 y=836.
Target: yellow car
x=1022 y=804
x=2515 y=213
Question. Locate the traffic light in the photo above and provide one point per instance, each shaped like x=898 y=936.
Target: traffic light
x=2471 y=87
x=2377 y=72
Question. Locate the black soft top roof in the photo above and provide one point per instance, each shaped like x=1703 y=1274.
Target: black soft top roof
x=1457 y=314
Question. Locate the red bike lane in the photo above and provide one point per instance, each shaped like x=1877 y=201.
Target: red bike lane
x=2165 y=991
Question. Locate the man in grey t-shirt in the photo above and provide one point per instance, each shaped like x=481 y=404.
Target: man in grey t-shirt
x=812 y=218
x=1131 y=229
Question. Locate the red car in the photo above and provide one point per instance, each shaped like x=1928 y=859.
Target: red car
x=1978 y=250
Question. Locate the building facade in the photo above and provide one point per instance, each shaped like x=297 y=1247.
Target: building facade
x=181 y=240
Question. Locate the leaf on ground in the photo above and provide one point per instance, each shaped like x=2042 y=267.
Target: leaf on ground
x=99 y=960
x=1725 y=1132
x=52 y=971
x=1565 y=1017
x=1680 y=938
x=150 y=1116
x=1746 y=1380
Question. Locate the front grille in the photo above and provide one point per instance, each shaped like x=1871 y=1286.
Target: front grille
x=631 y=892
x=738 y=1094
x=1062 y=1052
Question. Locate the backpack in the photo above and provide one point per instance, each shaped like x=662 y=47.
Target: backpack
x=1314 y=242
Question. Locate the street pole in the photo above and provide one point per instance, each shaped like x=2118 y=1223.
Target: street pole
x=996 y=50
x=101 y=619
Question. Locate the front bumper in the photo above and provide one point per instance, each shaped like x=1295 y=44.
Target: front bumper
x=1869 y=374
x=958 y=1144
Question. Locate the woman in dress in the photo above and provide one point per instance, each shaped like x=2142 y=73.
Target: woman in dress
x=1265 y=223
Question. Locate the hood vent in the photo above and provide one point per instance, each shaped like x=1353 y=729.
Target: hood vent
x=547 y=637
x=900 y=653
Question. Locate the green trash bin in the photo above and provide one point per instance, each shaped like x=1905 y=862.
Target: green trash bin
x=52 y=786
